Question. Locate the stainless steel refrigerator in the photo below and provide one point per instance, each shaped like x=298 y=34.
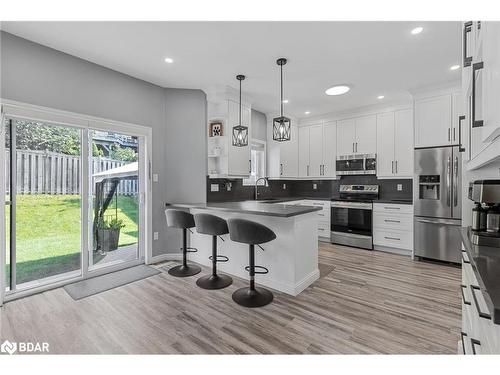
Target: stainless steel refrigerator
x=437 y=203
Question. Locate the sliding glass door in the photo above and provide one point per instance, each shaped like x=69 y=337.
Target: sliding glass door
x=115 y=198
x=43 y=202
x=74 y=203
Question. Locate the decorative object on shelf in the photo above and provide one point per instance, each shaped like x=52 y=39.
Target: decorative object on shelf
x=281 y=125
x=216 y=129
x=240 y=133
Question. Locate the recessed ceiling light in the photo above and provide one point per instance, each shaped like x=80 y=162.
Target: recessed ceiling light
x=168 y=60
x=285 y=101
x=454 y=67
x=306 y=112
x=417 y=30
x=337 y=90
x=380 y=97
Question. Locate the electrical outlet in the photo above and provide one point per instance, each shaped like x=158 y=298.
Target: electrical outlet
x=155 y=236
x=229 y=186
x=400 y=187
x=315 y=186
x=155 y=177
x=284 y=186
x=214 y=187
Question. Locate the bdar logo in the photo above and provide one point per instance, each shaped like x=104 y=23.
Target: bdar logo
x=8 y=347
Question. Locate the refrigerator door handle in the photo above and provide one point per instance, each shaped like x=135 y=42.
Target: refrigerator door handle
x=448 y=182
x=439 y=221
x=455 y=182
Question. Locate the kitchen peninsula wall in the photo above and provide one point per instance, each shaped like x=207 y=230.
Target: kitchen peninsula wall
x=304 y=188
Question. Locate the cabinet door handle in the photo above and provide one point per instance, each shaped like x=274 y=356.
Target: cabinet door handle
x=392 y=238
x=474 y=343
x=392 y=166
x=462 y=288
x=392 y=221
x=353 y=148
x=250 y=166
x=396 y=164
x=463 y=337
x=356 y=146
x=475 y=67
x=460 y=148
x=324 y=169
x=307 y=170
x=454 y=135
x=281 y=169
x=481 y=313
x=449 y=138
x=467 y=29
x=391 y=208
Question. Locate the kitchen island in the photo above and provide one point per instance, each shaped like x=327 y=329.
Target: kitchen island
x=292 y=258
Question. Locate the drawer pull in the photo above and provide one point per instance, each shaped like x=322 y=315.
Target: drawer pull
x=392 y=221
x=321 y=228
x=391 y=208
x=392 y=238
x=473 y=343
x=321 y=214
x=462 y=335
x=481 y=314
x=462 y=287
x=465 y=257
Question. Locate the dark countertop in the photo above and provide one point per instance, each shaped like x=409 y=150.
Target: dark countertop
x=485 y=262
x=265 y=208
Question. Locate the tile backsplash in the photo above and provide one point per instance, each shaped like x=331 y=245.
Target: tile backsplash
x=234 y=190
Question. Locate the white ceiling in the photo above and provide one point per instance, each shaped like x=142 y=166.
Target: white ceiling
x=375 y=58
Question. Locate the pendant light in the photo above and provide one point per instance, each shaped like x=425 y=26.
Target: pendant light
x=282 y=124
x=240 y=133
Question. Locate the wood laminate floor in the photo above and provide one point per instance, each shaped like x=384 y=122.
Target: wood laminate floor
x=364 y=302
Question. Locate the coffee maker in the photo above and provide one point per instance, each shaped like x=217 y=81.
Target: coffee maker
x=486 y=212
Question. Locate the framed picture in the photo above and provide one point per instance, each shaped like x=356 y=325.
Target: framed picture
x=216 y=129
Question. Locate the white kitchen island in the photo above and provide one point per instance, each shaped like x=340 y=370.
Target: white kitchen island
x=292 y=258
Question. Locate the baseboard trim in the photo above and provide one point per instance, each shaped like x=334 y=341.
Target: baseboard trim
x=306 y=281
x=165 y=257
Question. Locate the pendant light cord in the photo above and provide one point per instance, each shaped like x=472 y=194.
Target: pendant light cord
x=281 y=66
x=240 y=102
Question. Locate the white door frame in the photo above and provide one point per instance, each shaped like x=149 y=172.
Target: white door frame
x=27 y=111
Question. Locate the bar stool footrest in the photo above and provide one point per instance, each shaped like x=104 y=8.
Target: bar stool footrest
x=220 y=258
x=191 y=249
x=265 y=270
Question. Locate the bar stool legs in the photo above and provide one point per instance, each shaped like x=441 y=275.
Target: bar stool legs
x=253 y=296
x=185 y=269
x=215 y=281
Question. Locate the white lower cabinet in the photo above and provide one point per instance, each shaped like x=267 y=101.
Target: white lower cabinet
x=479 y=334
x=393 y=227
x=323 y=216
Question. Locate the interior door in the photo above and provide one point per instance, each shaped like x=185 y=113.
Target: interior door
x=329 y=148
x=385 y=145
x=303 y=151
x=346 y=134
x=315 y=150
x=403 y=143
x=366 y=135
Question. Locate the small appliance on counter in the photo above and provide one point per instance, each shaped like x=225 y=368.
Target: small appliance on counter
x=351 y=216
x=486 y=212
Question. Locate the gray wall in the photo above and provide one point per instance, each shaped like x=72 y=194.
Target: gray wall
x=259 y=126
x=39 y=75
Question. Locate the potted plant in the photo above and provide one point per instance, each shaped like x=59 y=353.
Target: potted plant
x=108 y=233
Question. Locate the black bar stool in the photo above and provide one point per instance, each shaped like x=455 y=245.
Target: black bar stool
x=214 y=226
x=183 y=220
x=251 y=233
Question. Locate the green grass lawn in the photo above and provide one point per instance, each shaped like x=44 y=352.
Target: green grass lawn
x=48 y=231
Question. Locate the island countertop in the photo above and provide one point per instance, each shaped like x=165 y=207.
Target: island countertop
x=251 y=207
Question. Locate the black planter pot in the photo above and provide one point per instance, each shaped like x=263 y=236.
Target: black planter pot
x=108 y=239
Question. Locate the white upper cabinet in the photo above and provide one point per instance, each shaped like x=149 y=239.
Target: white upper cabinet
x=491 y=98
x=329 y=148
x=366 y=133
x=238 y=157
x=395 y=144
x=433 y=123
x=304 y=151
x=315 y=150
x=385 y=144
x=357 y=136
x=403 y=143
x=282 y=157
x=346 y=136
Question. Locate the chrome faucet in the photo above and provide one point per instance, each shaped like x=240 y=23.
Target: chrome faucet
x=256 y=186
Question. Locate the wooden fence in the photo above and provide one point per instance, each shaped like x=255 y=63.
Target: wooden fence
x=40 y=172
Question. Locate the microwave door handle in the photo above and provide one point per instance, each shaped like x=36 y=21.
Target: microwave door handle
x=448 y=182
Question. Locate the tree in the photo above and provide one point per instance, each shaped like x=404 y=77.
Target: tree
x=122 y=153
x=96 y=151
x=41 y=137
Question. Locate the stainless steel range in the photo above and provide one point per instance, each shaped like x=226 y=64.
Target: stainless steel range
x=351 y=216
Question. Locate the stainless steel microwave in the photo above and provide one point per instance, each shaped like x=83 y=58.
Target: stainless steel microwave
x=356 y=164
